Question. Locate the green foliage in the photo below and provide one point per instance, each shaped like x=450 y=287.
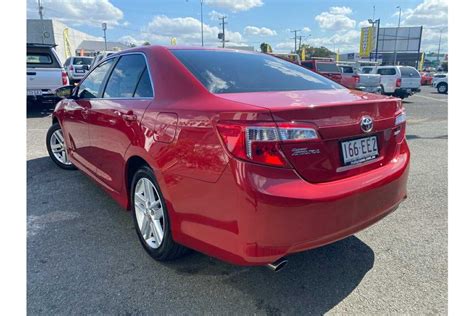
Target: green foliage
x=146 y=43
x=315 y=51
x=266 y=48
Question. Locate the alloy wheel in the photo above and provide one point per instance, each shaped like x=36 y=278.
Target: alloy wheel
x=149 y=212
x=58 y=147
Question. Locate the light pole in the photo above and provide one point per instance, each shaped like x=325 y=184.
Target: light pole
x=396 y=35
x=439 y=44
x=104 y=28
x=376 y=38
x=202 y=26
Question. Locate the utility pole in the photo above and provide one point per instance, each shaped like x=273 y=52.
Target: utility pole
x=202 y=27
x=299 y=44
x=104 y=28
x=439 y=44
x=40 y=11
x=222 y=35
x=396 y=35
x=296 y=37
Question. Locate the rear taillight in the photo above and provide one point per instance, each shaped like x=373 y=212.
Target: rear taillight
x=64 y=78
x=399 y=82
x=357 y=78
x=260 y=142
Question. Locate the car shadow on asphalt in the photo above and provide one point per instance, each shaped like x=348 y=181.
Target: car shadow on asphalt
x=410 y=137
x=37 y=109
x=313 y=281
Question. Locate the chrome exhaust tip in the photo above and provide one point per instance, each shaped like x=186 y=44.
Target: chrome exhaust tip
x=277 y=265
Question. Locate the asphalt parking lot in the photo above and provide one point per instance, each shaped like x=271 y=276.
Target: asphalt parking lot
x=85 y=258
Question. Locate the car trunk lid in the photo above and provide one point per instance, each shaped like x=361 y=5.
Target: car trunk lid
x=336 y=115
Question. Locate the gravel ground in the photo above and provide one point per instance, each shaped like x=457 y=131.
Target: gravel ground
x=84 y=256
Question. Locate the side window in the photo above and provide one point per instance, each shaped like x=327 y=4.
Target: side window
x=307 y=64
x=387 y=71
x=90 y=87
x=144 y=89
x=125 y=76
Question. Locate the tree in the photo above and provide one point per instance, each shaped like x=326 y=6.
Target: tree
x=146 y=43
x=315 y=51
x=266 y=48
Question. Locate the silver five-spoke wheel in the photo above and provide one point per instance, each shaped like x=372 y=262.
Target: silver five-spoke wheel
x=149 y=212
x=58 y=147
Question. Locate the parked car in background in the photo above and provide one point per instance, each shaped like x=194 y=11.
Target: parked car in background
x=368 y=81
x=426 y=78
x=240 y=155
x=101 y=56
x=77 y=66
x=399 y=81
x=354 y=79
x=440 y=82
x=325 y=67
x=44 y=73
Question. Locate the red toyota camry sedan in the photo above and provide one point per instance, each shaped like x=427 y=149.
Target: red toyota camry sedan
x=242 y=156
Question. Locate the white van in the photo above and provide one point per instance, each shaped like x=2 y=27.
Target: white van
x=399 y=81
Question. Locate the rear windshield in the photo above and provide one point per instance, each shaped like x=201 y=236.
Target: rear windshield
x=38 y=59
x=307 y=64
x=346 y=70
x=233 y=72
x=409 y=72
x=366 y=70
x=387 y=71
x=327 y=67
x=82 y=61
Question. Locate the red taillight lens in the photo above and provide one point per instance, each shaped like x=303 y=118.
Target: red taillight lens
x=357 y=78
x=399 y=82
x=260 y=143
x=64 y=78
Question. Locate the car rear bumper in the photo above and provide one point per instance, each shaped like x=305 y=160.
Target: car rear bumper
x=376 y=89
x=256 y=214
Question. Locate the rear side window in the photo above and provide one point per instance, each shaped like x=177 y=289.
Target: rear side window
x=124 y=78
x=327 y=67
x=386 y=71
x=307 y=64
x=90 y=87
x=234 y=72
x=408 y=72
x=39 y=59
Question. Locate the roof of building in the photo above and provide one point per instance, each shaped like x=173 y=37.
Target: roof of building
x=99 y=45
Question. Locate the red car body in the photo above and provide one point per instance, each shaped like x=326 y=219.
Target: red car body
x=240 y=211
x=426 y=78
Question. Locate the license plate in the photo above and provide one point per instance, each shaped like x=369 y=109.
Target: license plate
x=359 y=150
x=34 y=92
x=80 y=70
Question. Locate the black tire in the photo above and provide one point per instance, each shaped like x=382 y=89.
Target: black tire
x=49 y=135
x=442 y=88
x=382 y=90
x=168 y=249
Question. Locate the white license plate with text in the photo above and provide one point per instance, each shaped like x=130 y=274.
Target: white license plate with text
x=359 y=150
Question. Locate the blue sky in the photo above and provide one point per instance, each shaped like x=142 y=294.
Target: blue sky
x=334 y=24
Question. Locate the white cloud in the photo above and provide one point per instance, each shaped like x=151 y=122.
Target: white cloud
x=427 y=13
x=306 y=29
x=259 y=31
x=364 y=23
x=336 y=19
x=214 y=15
x=187 y=31
x=346 y=42
x=78 y=12
x=234 y=5
x=340 y=10
x=128 y=40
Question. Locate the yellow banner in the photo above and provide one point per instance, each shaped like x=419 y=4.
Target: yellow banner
x=366 y=41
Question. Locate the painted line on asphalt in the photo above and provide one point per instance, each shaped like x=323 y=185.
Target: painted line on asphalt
x=430 y=98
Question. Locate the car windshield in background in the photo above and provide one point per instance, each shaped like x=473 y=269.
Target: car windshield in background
x=234 y=72
x=408 y=72
x=32 y=58
x=327 y=67
x=82 y=61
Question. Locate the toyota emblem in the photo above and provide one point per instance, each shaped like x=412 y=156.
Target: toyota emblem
x=366 y=124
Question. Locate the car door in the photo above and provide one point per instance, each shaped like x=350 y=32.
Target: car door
x=115 y=118
x=77 y=114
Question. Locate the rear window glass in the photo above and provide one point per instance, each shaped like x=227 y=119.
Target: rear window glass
x=233 y=72
x=82 y=61
x=386 y=71
x=346 y=69
x=327 y=67
x=408 y=72
x=39 y=59
x=366 y=70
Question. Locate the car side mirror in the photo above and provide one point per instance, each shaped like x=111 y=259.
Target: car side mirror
x=65 y=92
